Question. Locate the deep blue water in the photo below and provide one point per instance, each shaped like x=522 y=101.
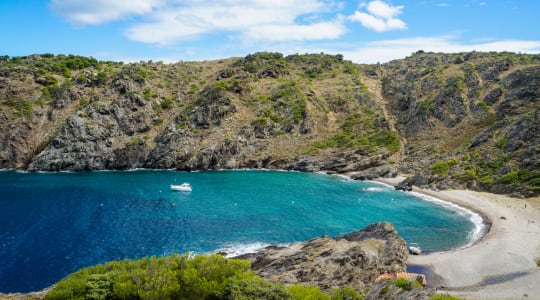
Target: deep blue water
x=52 y=224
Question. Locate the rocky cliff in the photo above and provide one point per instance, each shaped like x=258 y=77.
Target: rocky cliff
x=353 y=260
x=468 y=120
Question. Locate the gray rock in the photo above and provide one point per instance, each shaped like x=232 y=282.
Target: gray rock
x=375 y=172
x=354 y=260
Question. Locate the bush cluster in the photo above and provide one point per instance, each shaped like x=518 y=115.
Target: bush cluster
x=181 y=277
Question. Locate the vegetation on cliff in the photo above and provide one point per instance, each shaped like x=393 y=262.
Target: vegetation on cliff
x=466 y=120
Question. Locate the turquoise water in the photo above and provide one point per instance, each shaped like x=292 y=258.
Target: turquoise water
x=52 y=224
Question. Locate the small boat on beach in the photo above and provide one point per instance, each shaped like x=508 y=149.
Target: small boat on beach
x=184 y=187
x=415 y=249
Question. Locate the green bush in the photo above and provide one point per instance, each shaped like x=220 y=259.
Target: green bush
x=181 y=277
x=428 y=104
x=242 y=287
x=22 y=107
x=442 y=297
x=307 y=292
x=483 y=105
x=520 y=176
x=406 y=284
x=501 y=143
x=345 y=293
x=387 y=139
x=176 y=276
x=167 y=103
x=290 y=101
x=440 y=168
x=147 y=92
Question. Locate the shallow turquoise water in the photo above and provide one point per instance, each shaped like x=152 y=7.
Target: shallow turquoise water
x=52 y=224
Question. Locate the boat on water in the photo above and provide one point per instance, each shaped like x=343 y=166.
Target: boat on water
x=415 y=249
x=185 y=187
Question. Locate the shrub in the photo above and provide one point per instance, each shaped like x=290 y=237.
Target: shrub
x=486 y=179
x=176 y=276
x=442 y=297
x=147 y=94
x=386 y=139
x=307 y=292
x=520 y=176
x=405 y=284
x=251 y=287
x=345 y=293
x=167 y=103
x=22 y=106
x=290 y=102
x=101 y=77
x=428 y=104
x=440 y=168
x=501 y=143
x=483 y=105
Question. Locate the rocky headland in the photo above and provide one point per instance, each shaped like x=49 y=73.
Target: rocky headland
x=353 y=260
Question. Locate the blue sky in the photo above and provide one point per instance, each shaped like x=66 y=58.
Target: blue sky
x=187 y=30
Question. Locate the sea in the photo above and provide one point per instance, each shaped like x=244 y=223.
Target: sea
x=52 y=224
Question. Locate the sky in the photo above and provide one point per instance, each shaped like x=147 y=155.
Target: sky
x=194 y=30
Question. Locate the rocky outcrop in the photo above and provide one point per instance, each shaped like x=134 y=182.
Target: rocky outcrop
x=387 y=171
x=354 y=259
x=383 y=289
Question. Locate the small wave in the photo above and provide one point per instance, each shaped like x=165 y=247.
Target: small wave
x=381 y=183
x=240 y=249
x=143 y=169
x=342 y=177
x=373 y=189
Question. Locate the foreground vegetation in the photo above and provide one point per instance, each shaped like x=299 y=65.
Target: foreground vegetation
x=181 y=277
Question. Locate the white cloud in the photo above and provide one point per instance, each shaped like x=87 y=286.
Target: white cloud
x=386 y=50
x=168 y=22
x=252 y=20
x=380 y=16
x=84 y=12
x=295 y=32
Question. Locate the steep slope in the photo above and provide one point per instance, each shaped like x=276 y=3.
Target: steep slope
x=471 y=119
x=447 y=120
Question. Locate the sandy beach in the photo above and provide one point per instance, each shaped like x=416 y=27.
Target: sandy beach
x=502 y=264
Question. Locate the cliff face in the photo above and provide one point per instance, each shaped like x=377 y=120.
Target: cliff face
x=447 y=120
x=471 y=120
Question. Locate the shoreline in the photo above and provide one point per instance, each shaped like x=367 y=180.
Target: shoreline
x=501 y=263
x=484 y=226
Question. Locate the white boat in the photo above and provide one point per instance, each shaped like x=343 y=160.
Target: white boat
x=185 y=187
x=415 y=249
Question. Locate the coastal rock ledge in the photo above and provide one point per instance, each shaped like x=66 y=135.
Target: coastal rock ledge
x=354 y=259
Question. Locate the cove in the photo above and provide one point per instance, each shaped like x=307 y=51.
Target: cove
x=52 y=224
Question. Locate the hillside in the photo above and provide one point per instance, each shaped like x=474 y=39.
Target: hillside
x=468 y=120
